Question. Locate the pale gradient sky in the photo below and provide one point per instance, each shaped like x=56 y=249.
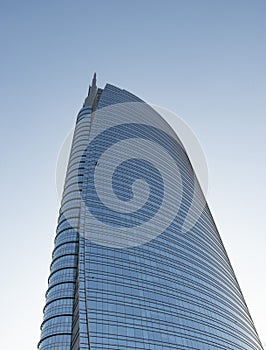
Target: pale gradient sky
x=204 y=60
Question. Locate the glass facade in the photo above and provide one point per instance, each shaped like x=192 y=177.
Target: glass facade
x=138 y=262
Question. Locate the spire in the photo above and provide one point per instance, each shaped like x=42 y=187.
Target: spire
x=92 y=92
x=94 y=80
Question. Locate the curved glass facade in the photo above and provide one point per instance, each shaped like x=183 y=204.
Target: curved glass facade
x=138 y=262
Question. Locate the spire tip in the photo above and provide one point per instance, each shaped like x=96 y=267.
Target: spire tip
x=94 y=79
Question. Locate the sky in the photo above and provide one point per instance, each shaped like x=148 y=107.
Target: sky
x=204 y=60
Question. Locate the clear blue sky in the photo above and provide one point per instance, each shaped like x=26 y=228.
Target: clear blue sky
x=205 y=60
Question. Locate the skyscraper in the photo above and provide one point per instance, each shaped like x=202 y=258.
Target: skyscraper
x=138 y=262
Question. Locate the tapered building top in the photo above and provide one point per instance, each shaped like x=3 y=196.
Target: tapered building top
x=94 y=80
x=92 y=93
